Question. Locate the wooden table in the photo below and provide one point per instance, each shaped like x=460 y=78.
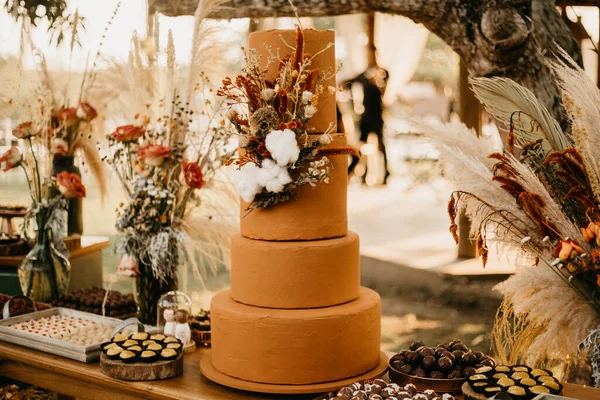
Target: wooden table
x=85 y=381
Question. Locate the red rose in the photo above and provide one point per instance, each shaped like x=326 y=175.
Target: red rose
x=69 y=184
x=154 y=154
x=12 y=158
x=128 y=133
x=24 y=130
x=191 y=175
x=67 y=116
x=86 y=112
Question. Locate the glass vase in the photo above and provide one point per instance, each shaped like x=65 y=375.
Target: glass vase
x=45 y=272
x=74 y=205
x=149 y=290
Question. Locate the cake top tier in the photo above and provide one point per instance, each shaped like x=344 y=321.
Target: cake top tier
x=318 y=45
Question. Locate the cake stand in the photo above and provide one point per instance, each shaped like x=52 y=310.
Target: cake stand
x=209 y=371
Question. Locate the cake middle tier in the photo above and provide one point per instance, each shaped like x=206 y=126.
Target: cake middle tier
x=296 y=346
x=302 y=274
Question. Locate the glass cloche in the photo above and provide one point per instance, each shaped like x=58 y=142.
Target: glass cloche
x=168 y=305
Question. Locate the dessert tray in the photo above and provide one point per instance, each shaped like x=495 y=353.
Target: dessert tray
x=61 y=331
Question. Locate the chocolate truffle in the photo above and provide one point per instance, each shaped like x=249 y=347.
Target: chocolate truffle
x=413 y=358
x=429 y=363
x=416 y=345
x=445 y=364
x=437 y=375
x=406 y=369
x=419 y=372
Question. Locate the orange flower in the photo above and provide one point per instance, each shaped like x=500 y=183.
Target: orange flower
x=12 y=158
x=86 y=112
x=69 y=184
x=24 y=130
x=568 y=250
x=67 y=116
x=154 y=154
x=191 y=175
x=128 y=133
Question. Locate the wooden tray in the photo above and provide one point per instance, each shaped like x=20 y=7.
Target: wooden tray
x=439 y=385
x=141 y=371
x=50 y=345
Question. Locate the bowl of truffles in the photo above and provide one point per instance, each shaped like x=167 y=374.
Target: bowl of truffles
x=443 y=368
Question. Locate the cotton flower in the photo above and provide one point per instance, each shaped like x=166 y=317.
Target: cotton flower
x=246 y=181
x=273 y=177
x=267 y=94
x=283 y=146
x=306 y=96
x=310 y=110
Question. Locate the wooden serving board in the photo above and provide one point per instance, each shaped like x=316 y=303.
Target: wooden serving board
x=141 y=371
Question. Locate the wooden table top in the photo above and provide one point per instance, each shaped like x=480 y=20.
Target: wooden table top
x=85 y=381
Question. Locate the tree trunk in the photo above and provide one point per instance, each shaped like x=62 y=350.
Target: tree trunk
x=493 y=37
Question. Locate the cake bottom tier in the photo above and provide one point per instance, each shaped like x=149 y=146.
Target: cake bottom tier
x=304 y=346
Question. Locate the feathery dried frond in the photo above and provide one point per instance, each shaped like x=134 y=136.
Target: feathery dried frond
x=503 y=99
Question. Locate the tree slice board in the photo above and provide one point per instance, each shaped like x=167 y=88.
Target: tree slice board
x=141 y=371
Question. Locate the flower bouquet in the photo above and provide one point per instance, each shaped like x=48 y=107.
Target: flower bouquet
x=45 y=271
x=537 y=201
x=165 y=159
x=277 y=153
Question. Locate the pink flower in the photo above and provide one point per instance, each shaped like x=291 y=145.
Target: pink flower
x=128 y=133
x=154 y=154
x=24 y=130
x=191 y=175
x=59 y=147
x=69 y=184
x=86 y=112
x=128 y=266
x=67 y=116
x=12 y=158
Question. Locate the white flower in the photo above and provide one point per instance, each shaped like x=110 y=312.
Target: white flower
x=283 y=146
x=273 y=177
x=325 y=139
x=267 y=94
x=306 y=96
x=246 y=181
x=310 y=110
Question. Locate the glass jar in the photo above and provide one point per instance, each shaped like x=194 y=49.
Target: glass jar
x=168 y=305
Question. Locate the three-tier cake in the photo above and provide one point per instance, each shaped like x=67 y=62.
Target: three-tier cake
x=296 y=313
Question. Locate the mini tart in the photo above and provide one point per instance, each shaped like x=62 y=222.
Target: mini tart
x=148 y=342
x=139 y=336
x=487 y=371
x=129 y=343
x=107 y=346
x=505 y=383
x=479 y=387
x=159 y=337
x=119 y=338
x=555 y=387
x=128 y=357
x=137 y=349
x=113 y=352
x=539 y=390
x=175 y=346
x=171 y=339
x=478 y=378
x=503 y=368
x=545 y=378
x=491 y=391
x=528 y=382
x=517 y=376
x=154 y=347
x=499 y=375
x=540 y=372
x=520 y=368
x=517 y=393
x=148 y=356
x=169 y=354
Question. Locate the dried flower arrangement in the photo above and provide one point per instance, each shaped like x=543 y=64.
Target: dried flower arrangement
x=537 y=200
x=277 y=152
x=167 y=159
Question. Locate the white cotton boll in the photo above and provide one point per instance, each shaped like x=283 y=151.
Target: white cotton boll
x=283 y=146
x=306 y=96
x=246 y=182
x=310 y=110
x=273 y=177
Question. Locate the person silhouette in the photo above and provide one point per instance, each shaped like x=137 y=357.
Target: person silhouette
x=374 y=81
